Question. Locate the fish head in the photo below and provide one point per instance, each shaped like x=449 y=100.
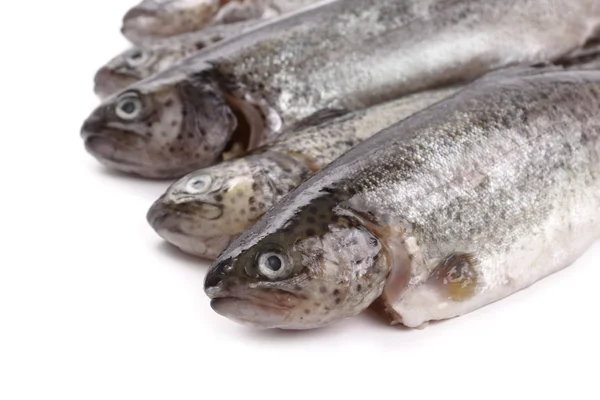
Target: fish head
x=155 y=19
x=298 y=268
x=127 y=68
x=160 y=129
x=203 y=211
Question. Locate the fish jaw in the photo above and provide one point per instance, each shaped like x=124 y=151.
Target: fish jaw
x=262 y=309
x=152 y=20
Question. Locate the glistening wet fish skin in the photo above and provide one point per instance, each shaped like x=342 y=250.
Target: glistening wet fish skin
x=456 y=207
x=276 y=75
x=140 y=62
x=204 y=210
x=153 y=20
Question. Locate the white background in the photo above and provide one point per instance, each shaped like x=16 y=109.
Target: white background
x=94 y=306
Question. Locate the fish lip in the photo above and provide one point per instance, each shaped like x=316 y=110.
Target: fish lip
x=218 y=298
x=92 y=149
x=90 y=133
x=163 y=211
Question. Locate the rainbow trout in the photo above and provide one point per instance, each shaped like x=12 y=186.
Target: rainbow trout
x=203 y=211
x=459 y=205
x=348 y=54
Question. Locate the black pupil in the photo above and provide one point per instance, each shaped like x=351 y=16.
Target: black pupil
x=128 y=107
x=274 y=263
x=136 y=55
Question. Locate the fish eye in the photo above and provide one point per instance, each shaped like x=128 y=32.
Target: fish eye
x=137 y=58
x=199 y=184
x=273 y=265
x=129 y=107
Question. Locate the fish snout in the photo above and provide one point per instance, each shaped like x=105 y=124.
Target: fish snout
x=93 y=125
x=215 y=276
x=158 y=213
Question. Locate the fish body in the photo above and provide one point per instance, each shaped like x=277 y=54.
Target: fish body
x=153 y=20
x=204 y=210
x=346 y=54
x=459 y=205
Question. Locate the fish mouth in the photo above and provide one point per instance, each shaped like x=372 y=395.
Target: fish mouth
x=165 y=213
x=170 y=224
x=113 y=146
x=255 y=310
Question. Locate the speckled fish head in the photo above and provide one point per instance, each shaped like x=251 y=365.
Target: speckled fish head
x=127 y=68
x=160 y=130
x=203 y=211
x=153 y=19
x=298 y=268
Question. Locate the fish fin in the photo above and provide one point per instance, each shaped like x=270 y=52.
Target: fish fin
x=443 y=294
x=319 y=117
x=455 y=276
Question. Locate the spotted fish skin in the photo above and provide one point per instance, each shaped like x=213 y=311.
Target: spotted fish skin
x=462 y=204
x=283 y=72
x=246 y=187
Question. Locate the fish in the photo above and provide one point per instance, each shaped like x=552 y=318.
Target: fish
x=143 y=61
x=341 y=54
x=203 y=211
x=153 y=20
x=460 y=205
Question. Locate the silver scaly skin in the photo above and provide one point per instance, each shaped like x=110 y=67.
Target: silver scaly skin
x=142 y=61
x=203 y=211
x=153 y=20
x=348 y=54
x=206 y=209
x=458 y=206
